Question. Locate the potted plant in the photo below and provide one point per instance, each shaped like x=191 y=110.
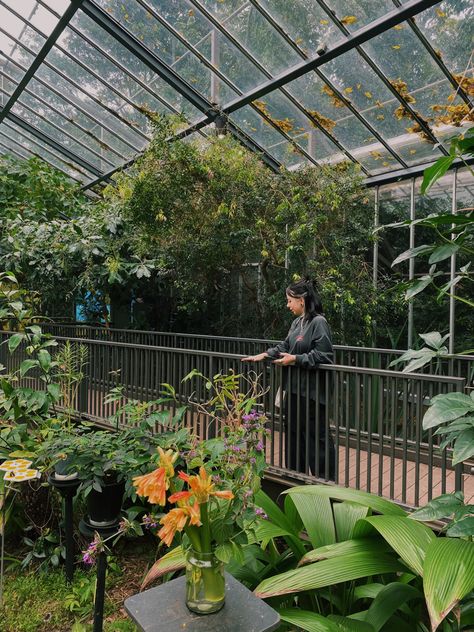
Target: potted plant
x=105 y=461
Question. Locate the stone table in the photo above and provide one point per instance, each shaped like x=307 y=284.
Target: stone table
x=163 y=609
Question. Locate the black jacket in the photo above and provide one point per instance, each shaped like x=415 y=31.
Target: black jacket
x=311 y=343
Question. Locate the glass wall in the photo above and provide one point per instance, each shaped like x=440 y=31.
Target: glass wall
x=426 y=311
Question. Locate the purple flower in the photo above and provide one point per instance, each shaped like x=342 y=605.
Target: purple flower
x=260 y=513
x=259 y=446
x=95 y=547
x=248 y=493
x=149 y=522
x=253 y=460
x=252 y=416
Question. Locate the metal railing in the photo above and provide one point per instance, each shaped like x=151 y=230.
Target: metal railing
x=370 y=357
x=373 y=416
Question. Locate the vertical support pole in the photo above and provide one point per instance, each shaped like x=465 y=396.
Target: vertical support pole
x=100 y=592
x=3 y=500
x=452 y=273
x=411 y=269
x=215 y=64
x=375 y=260
x=375 y=269
x=311 y=143
x=69 y=532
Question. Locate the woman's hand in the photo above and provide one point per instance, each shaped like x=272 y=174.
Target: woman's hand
x=255 y=358
x=285 y=359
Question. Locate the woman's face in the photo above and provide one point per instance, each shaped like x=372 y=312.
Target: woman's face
x=295 y=305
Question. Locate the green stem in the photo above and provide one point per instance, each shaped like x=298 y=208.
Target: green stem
x=193 y=535
x=206 y=527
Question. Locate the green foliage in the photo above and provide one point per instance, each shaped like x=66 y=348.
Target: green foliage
x=32 y=189
x=366 y=572
x=186 y=220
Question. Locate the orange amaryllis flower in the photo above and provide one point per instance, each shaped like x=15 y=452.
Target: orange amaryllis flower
x=201 y=487
x=176 y=519
x=153 y=486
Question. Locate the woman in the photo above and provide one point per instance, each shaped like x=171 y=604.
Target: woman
x=307 y=345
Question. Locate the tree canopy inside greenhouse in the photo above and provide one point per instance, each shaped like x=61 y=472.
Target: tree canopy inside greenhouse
x=379 y=84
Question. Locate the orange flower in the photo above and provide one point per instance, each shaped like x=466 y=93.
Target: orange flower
x=167 y=460
x=202 y=488
x=176 y=519
x=153 y=486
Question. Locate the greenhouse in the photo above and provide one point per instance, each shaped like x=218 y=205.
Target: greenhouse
x=236 y=315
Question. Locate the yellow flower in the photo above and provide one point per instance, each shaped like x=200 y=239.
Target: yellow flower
x=176 y=519
x=201 y=488
x=166 y=460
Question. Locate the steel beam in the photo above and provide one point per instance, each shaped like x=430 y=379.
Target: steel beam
x=47 y=46
x=411 y=172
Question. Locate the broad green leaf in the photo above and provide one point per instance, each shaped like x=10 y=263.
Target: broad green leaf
x=306 y=620
x=350 y=624
x=373 y=545
x=316 y=513
x=388 y=600
x=434 y=339
x=55 y=391
x=412 y=252
x=441 y=507
x=376 y=503
x=448 y=576
x=420 y=362
x=346 y=514
x=26 y=365
x=14 y=341
x=277 y=517
x=174 y=560
x=35 y=330
x=418 y=286
x=435 y=172
x=447 y=407
x=44 y=359
x=266 y=531
x=461 y=528
x=328 y=573
x=410 y=539
x=443 y=252
x=368 y=591
x=463 y=447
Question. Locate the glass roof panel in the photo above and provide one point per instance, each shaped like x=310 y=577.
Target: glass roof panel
x=306 y=23
x=72 y=127
x=40 y=122
x=87 y=29
x=411 y=70
x=355 y=14
x=137 y=20
x=251 y=29
x=448 y=28
x=94 y=122
x=40 y=149
x=377 y=104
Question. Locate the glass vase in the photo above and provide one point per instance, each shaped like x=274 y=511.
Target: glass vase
x=205 y=583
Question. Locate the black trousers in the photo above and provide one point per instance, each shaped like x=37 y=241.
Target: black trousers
x=305 y=453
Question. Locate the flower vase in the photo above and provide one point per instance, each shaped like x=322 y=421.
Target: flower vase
x=205 y=582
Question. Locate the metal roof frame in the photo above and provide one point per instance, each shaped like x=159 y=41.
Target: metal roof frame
x=350 y=40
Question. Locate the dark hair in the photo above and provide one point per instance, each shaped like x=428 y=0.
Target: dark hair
x=304 y=288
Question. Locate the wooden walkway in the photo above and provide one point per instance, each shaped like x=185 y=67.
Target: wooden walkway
x=397 y=476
